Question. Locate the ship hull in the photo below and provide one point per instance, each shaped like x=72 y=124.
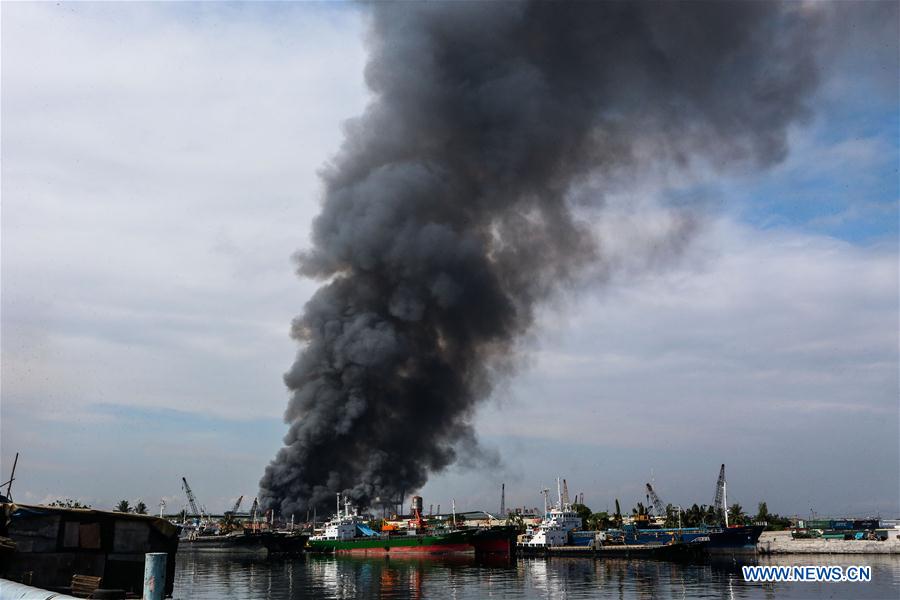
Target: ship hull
x=257 y=545
x=495 y=541
x=725 y=539
x=742 y=539
x=457 y=542
x=243 y=545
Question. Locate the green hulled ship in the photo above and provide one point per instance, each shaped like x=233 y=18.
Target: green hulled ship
x=349 y=532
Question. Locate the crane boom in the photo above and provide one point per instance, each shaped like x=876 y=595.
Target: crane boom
x=721 y=500
x=656 y=505
x=190 y=496
x=237 y=504
x=565 y=494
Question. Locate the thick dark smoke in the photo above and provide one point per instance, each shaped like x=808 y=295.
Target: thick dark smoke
x=447 y=215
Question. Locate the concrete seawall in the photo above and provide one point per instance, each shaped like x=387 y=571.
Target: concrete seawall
x=780 y=542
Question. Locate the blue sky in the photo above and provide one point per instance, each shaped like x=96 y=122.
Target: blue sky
x=159 y=169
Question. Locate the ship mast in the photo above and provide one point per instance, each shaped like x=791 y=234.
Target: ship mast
x=725 y=501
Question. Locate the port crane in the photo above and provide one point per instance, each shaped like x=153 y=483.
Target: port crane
x=656 y=505
x=237 y=505
x=721 y=500
x=191 y=499
x=565 y=494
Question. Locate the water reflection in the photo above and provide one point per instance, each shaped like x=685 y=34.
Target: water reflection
x=205 y=576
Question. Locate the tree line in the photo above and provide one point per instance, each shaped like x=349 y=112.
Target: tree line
x=693 y=516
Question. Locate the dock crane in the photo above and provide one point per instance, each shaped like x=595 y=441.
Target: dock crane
x=564 y=501
x=237 y=505
x=656 y=505
x=721 y=500
x=191 y=499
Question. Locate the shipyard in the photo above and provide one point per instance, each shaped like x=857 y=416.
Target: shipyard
x=531 y=299
x=102 y=553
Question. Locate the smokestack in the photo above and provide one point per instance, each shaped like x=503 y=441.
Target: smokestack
x=415 y=505
x=448 y=217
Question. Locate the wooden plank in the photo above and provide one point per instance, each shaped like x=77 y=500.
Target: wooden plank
x=83 y=586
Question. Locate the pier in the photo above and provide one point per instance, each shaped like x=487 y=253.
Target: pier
x=781 y=542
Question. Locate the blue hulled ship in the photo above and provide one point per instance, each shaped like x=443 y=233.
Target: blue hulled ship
x=730 y=539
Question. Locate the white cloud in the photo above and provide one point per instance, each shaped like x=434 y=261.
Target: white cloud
x=159 y=169
x=777 y=322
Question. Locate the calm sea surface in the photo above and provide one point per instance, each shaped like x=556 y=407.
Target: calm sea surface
x=206 y=577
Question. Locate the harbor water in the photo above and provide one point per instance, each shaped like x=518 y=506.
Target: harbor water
x=202 y=577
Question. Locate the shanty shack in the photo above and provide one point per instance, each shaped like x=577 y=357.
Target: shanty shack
x=52 y=544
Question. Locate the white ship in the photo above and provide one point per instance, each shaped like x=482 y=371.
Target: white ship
x=557 y=525
x=346 y=524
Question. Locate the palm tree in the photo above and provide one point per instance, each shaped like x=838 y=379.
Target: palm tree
x=123 y=506
x=582 y=511
x=69 y=503
x=140 y=508
x=693 y=516
x=598 y=521
x=671 y=516
x=736 y=514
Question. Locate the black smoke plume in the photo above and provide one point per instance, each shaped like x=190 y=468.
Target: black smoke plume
x=448 y=217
